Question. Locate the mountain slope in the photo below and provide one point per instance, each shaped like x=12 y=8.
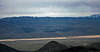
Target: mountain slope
x=75 y=49
x=5 y=48
x=52 y=46
x=96 y=45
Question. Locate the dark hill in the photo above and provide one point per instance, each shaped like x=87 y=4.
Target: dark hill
x=52 y=46
x=96 y=45
x=80 y=49
x=75 y=49
x=5 y=48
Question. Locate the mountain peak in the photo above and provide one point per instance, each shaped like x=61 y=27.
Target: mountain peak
x=95 y=16
x=53 y=42
x=52 y=46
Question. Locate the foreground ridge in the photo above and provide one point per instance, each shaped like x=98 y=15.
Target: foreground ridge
x=52 y=46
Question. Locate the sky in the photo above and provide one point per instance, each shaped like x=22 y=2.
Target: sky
x=52 y=8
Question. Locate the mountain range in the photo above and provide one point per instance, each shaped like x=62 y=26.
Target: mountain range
x=41 y=27
x=54 y=46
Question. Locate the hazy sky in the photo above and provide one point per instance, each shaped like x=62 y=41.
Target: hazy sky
x=49 y=7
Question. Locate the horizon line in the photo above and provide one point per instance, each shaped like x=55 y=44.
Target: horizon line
x=54 y=38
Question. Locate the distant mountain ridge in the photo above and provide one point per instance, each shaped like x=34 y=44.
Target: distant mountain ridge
x=95 y=16
x=41 y=27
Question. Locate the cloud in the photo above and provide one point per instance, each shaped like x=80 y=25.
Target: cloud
x=16 y=7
